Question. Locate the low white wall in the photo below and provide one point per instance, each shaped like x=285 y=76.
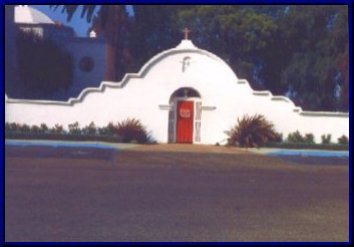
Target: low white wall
x=146 y=95
x=99 y=108
x=279 y=110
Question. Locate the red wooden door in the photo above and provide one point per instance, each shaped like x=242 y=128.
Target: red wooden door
x=185 y=122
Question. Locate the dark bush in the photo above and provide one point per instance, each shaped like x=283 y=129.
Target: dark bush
x=25 y=128
x=44 y=128
x=295 y=137
x=15 y=126
x=309 y=138
x=103 y=131
x=278 y=137
x=111 y=129
x=326 y=139
x=74 y=128
x=131 y=130
x=252 y=131
x=35 y=129
x=90 y=129
x=343 y=140
x=12 y=127
x=58 y=129
x=7 y=127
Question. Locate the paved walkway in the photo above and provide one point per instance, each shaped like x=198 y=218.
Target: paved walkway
x=301 y=152
x=121 y=146
x=179 y=148
x=196 y=193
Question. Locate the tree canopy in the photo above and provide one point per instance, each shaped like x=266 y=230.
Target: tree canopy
x=293 y=50
x=43 y=67
x=297 y=51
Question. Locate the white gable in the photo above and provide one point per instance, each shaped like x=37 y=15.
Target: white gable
x=147 y=95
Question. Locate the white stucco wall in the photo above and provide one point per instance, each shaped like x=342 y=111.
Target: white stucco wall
x=146 y=96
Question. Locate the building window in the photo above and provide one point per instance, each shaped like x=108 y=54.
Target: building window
x=86 y=64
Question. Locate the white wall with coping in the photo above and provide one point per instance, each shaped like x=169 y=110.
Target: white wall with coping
x=145 y=96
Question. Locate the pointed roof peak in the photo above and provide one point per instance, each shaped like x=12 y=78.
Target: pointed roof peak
x=186 y=44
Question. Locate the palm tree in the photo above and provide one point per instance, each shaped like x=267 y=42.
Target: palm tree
x=109 y=21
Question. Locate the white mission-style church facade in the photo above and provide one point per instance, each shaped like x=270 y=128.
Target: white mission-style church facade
x=184 y=94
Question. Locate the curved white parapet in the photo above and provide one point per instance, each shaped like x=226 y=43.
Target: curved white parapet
x=146 y=96
x=186 y=46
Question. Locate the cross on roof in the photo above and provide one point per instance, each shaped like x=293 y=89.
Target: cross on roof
x=186 y=31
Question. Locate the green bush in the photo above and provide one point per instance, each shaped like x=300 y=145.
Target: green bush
x=57 y=129
x=74 y=128
x=130 y=130
x=309 y=138
x=12 y=127
x=35 y=129
x=43 y=128
x=90 y=129
x=343 y=140
x=15 y=127
x=252 y=131
x=111 y=129
x=7 y=127
x=103 y=131
x=326 y=139
x=295 y=137
x=278 y=137
x=24 y=128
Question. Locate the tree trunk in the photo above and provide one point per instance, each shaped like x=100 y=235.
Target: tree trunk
x=112 y=31
x=110 y=62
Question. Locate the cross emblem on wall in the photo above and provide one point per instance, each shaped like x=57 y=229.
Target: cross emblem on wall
x=186 y=62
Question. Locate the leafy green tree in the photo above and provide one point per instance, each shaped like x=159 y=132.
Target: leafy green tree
x=308 y=46
x=235 y=33
x=298 y=51
x=153 y=30
x=44 y=68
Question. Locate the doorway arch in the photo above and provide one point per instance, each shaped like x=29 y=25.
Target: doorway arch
x=185 y=116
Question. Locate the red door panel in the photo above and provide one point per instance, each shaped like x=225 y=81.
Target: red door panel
x=185 y=122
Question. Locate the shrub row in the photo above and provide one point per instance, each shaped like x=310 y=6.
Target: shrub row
x=255 y=131
x=64 y=137
x=130 y=130
x=296 y=137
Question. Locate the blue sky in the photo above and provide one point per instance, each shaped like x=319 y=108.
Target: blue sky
x=80 y=25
